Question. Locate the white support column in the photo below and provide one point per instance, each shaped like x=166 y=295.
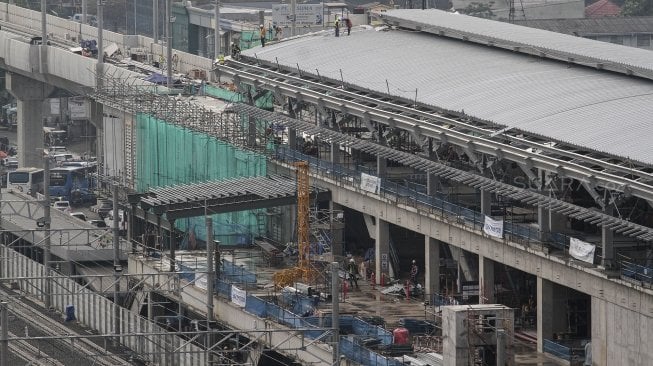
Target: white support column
x=431 y=265
x=30 y=95
x=485 y=280
x=382 y=249
x=544 y=312
x=381 y=166
x=334 y=156
x=486 y=202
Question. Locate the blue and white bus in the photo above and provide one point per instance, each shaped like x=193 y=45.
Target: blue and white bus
x=26 y=180
x=64 y=180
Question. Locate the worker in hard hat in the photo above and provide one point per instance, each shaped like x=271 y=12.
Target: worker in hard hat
x=235 y=50
x=352 y=272
x=413 y=273
x=262 y=34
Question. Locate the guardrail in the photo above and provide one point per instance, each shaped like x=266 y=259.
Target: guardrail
x=414 y=195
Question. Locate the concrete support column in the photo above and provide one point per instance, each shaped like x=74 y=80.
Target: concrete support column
x=334 y=155
x=431 y=265
x=382 y=249
x=557 y=222
x=486 y=202
x=381 y=166
x=97 y=119
x=543 y=221
x=607 y=240
x=292 y=138
x=251 y=131
x=544 y=312
x=30 y=95
x=432 y=184
x=485 y=280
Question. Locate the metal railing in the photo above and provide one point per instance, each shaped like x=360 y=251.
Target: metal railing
x=413 y=195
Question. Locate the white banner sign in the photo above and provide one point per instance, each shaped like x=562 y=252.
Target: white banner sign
x=305 y=14
x=493 y=227
x=370 y=183
x=79 y=109
x=54 y=106
x=581 y=250
x=238 y=296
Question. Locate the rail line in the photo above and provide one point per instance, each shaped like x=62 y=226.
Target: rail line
x=80 y=348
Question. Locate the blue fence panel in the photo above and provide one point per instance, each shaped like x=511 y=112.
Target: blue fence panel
x=237 y=274
x=256 y=306
x=557 y=349
x=223 y=288
x=186 y=273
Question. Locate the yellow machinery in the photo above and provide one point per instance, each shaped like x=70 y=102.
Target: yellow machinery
x=303 y=271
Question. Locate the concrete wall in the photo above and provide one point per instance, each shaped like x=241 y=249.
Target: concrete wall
x=620 y=336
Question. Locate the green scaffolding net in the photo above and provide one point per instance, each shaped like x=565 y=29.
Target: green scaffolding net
x=172 y=155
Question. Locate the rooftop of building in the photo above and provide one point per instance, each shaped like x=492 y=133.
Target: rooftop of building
x=564 y=102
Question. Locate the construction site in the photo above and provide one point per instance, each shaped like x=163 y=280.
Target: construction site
x=276 y=210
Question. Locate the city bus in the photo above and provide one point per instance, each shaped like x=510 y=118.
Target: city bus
x=26 y=180
x=66 y=179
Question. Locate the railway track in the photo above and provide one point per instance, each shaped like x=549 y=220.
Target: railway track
x=55 y=343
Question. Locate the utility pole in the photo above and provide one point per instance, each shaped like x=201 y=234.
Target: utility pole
x=4 y=334
x=293 y=15
x=155 y=20
x=100 y=44
x=44 y=31
x=46 y=226
x=169 y=41
x=210 y=277
x=117 y=268
x=44 y=38
x=217 y=29
x=335 y=312
x=84 y=11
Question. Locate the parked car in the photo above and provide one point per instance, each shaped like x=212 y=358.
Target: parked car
x=98 y=223
x=102 y=207
x=62 y=206
x=79 y=215
x=82 y=196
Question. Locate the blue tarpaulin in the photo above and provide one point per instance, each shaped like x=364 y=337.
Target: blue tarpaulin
x=157 y=78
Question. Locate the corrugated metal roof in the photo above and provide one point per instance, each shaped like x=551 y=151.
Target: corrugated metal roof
x=594 y=109
x=548 y=43
x=606 y=25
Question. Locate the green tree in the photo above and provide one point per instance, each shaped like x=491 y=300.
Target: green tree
x=634 y=8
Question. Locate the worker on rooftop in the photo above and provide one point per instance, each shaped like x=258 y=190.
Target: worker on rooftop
x=262 y=34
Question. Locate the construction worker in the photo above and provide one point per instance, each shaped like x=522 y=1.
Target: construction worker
x=262 y=34
x=352 y=271
x=336 y=26
x=235 y=50
x=413 y=273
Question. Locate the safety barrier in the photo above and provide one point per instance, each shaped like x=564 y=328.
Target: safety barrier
x=636 y=272
x=410 y=196
x=569 y=350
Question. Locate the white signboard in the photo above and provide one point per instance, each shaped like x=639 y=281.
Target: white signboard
x=493 y=227
x=238 y=296
x=305 y=14
x=79 y=109
x=200 y=281
x=581 y=250
x=54 y=106
x=370 y=183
